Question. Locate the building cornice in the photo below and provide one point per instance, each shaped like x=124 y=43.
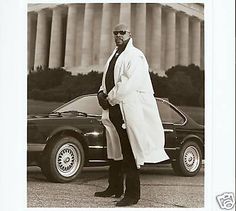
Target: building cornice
x=191 y=9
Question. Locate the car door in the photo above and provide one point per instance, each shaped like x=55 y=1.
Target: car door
x=95 y=138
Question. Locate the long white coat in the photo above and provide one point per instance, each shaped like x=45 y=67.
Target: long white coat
x=133 y=91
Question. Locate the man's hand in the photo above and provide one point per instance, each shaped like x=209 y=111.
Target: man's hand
x=102 y=99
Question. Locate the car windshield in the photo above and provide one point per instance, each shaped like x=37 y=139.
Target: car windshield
x=89 y=105
x=86 y=104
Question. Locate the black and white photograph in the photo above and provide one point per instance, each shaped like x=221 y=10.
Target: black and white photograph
x=117 y=105
x=130 y=78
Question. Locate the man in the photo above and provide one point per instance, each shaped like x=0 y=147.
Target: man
x=130 y=115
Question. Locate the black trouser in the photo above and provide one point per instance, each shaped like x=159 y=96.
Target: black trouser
x=128 y=165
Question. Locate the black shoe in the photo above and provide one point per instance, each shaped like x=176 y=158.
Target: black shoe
x=108 y=193
x=126 y=201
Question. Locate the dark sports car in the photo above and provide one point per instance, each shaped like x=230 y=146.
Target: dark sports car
x=72 y=136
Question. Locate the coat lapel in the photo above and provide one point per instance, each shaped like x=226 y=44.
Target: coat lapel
x=105 y=70
x=119 y=66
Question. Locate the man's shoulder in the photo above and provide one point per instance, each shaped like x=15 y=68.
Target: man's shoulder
x=136 y=52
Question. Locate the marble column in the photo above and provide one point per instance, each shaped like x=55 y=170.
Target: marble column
x=87 y=45
x=71 y=36
x=106 y=33
x=31 y=34
x=184 y=39
x=155 y=56
x=79 y=34
x=196 y=41
x=97 y=23
x=42 y=40
x=56 y=43
x=170 y=37
x=140 y=26
x=125 y=14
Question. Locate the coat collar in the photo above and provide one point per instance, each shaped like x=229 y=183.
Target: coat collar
x=128 y=46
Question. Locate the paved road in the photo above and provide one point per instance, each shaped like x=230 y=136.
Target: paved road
x=159 y=188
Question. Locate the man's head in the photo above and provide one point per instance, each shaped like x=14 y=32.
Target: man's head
x=121 y=34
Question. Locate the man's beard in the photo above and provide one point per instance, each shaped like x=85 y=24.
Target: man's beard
x=119 y=41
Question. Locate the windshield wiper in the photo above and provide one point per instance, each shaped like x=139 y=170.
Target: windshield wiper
x=74 y=112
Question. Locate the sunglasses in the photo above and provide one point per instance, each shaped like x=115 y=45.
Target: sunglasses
x=119 y=32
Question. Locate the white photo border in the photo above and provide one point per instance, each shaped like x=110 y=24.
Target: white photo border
x=219 y=102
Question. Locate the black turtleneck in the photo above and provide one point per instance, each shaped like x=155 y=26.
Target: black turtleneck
x=109 y=79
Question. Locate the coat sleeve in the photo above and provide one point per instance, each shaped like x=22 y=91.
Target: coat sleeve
x=130 y=79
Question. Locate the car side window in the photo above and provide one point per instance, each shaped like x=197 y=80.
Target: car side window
x=168 y=114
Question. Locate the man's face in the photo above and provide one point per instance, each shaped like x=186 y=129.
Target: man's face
x=121 y=34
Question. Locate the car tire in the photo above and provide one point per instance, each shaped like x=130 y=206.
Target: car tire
x=63 y=159
x=189 y=161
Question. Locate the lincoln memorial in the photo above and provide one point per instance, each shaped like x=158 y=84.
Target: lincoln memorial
x=79 y=36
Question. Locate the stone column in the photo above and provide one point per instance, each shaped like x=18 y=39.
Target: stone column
x=140 y=26
x=71 y=36
x=87 y=45
x=184 y=40
x=106 y=33
x=31 y=34
x=196 y=41
x=42 y=40
x=79 y=34
x=125 y=14
x=170 y=37
x=56 y=43
x=155 y=56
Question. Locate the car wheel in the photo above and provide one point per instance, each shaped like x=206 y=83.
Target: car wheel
x=63 y=159
x=189 y=161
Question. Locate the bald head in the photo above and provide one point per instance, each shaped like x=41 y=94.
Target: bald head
x=121 y=34
x=121 y=27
